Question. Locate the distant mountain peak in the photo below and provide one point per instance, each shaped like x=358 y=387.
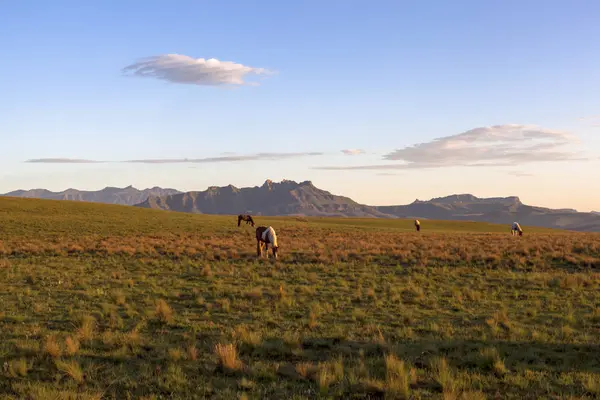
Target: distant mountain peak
x=306 y=183
x=470 y=198
x=272 y=198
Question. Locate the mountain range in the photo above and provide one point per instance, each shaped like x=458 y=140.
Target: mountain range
x=283 y=198
x=304 y=199
x=111 y=195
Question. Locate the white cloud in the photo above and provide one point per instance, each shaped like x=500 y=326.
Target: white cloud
x=251 y=157
x=499 y=145
x=353 y=152
x=62 y=161
x=589 y=117
x=592 y=120
x=231 y=158
x=183 y=69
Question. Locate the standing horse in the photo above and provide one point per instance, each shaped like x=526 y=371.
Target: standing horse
x=264 y=237
x=417 y=225
x=247 y=218
x=516 y=229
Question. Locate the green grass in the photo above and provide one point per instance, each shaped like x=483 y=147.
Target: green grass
x=104 y=301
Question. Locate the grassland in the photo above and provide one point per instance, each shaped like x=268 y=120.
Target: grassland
x=118 y=302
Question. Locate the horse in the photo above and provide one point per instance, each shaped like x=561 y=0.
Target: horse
x=264 y=237
x=417 y=225
x=247 y=218
x=516 y=229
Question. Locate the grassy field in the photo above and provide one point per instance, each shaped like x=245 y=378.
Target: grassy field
x=103 y=301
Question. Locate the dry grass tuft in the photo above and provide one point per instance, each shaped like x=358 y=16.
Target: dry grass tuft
x=87 y=330
x=72 y=346
x=227 y=357
x=444 y=376
x=18 y=368
x=398 y=378
x=52 y=347
x=246 y=336
x=192 y=352
x=307 y=370
x=70 y=368
x=163 y=312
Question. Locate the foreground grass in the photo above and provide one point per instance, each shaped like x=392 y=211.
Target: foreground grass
x=116 y=302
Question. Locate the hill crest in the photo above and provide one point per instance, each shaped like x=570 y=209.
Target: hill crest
x=303 y=198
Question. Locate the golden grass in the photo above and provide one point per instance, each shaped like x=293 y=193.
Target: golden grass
x=71 y=369
x=228 y=357
x=163 y=312
x=128 y=303
x=52 y=347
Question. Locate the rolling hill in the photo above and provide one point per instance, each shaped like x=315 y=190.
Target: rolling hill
x=111 y=195
x=288 y=198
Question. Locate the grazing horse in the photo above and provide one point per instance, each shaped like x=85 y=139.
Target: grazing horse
x=417 y=225
x=516 y=229
x=247 y=218
x=264 y=237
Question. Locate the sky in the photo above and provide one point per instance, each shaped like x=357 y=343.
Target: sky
x=382 y=101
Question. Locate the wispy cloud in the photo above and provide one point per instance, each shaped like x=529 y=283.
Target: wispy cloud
x=177 y=68
x=353 y=152
x=252 y=157
x=219 y=159
x=519 y=174
x=589 y=117
x=499 y=145
x=592 y=120
x=62 y=161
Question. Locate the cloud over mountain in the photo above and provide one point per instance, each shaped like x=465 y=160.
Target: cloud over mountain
x=499 y=145
x=177 y=68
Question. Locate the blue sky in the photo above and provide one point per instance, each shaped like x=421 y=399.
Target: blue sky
x=433 y=98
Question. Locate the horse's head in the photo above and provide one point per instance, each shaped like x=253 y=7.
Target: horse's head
x=275 y=249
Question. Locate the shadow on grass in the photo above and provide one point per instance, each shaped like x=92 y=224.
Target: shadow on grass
x=466 y=354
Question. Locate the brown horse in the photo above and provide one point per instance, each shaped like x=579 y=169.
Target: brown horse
x=247 y=218
x=264 y=237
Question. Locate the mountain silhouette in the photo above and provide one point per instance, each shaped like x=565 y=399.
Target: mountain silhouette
x=111 y=195
x=272 y=198
x=501 y=210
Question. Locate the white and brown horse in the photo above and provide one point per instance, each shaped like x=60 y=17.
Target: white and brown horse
x=266 y=236
x=516 y=229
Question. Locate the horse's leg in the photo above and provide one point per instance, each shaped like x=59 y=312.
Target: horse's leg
x=258 y=248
